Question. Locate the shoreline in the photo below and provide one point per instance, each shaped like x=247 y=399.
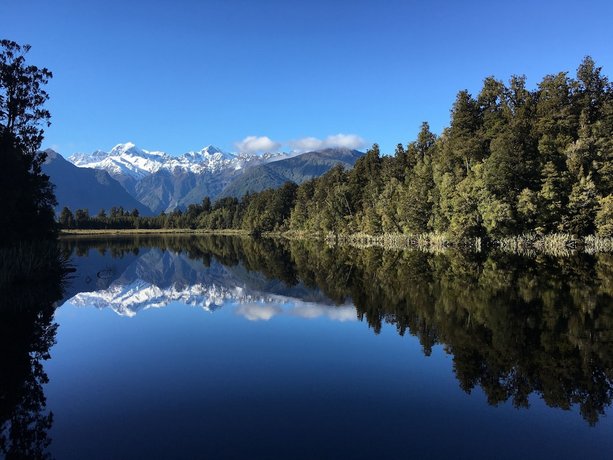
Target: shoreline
x=557 y=244
x=150 y=231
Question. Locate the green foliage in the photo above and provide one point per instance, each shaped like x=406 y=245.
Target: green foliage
x=582 y=207
x=552 y=198
x=528 y=208
x=269 y=210
x=604 y=217
x=466 y=219
x=416 y=202
x=497 y=215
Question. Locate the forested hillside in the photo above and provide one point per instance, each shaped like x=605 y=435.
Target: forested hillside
x=513 y=160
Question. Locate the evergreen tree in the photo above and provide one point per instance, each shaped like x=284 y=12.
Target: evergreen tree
x=299 y=219
x=206 y=204
x=466 y=219
x=552 y=198
x=389 y=206
x=582 y=208
x=604 y=217
x=464 y=146
x=26 y=191
x=528 y=210
x=81 y=218
x=417 y=199
x=66 y=218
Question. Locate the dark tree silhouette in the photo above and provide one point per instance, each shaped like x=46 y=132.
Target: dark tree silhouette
x=26 y=192
x=31 y=282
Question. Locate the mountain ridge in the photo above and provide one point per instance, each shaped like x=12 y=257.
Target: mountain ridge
x=82 y=188
x=297 y=169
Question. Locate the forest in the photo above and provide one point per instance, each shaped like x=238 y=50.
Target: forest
x=512 y=161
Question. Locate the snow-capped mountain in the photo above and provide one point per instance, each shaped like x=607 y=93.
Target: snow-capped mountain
x=123 y=159
x=129 y=160
x=164 y=182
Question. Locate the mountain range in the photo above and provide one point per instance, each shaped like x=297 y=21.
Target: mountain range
x=154 y=181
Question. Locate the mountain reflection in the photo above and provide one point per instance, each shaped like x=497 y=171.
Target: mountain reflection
x=155 y=277
x=515 y=326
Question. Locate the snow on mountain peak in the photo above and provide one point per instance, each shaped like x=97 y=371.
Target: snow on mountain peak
x=129 y=160
x=211 y=150
x=119 y=148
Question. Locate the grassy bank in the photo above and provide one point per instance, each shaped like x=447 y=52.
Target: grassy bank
x=31 y=263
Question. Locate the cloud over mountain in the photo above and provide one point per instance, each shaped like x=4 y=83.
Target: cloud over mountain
x=261 y=144
x=348 y=141
x=257 y=144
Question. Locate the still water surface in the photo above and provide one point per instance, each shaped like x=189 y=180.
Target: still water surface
x=233 y=348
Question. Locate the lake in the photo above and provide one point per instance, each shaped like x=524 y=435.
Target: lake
x=227 y=347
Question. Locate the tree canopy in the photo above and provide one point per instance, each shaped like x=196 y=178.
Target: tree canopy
x=27 y=193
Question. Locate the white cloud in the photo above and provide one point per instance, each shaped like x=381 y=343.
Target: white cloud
x=306 y=144
x=262 y=144
x=257 y=144
x=349 y=141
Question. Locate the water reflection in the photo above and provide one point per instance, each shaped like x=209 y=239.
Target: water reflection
x=515 y=326
x=27 y=332
x=128 y=282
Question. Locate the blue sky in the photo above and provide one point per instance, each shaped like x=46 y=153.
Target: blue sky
x=178 y=75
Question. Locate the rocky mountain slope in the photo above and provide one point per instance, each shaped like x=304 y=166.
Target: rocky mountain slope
x=297 y=169
x=90 y=189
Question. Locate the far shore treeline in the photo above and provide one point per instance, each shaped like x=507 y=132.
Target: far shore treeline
x=512 y=161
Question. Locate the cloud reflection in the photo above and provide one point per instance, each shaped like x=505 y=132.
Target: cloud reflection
x=257 y=312
x=342 y=313
x=306 y=310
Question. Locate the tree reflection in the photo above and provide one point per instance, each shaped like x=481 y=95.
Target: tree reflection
x=27 y=332
x=515 y=326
